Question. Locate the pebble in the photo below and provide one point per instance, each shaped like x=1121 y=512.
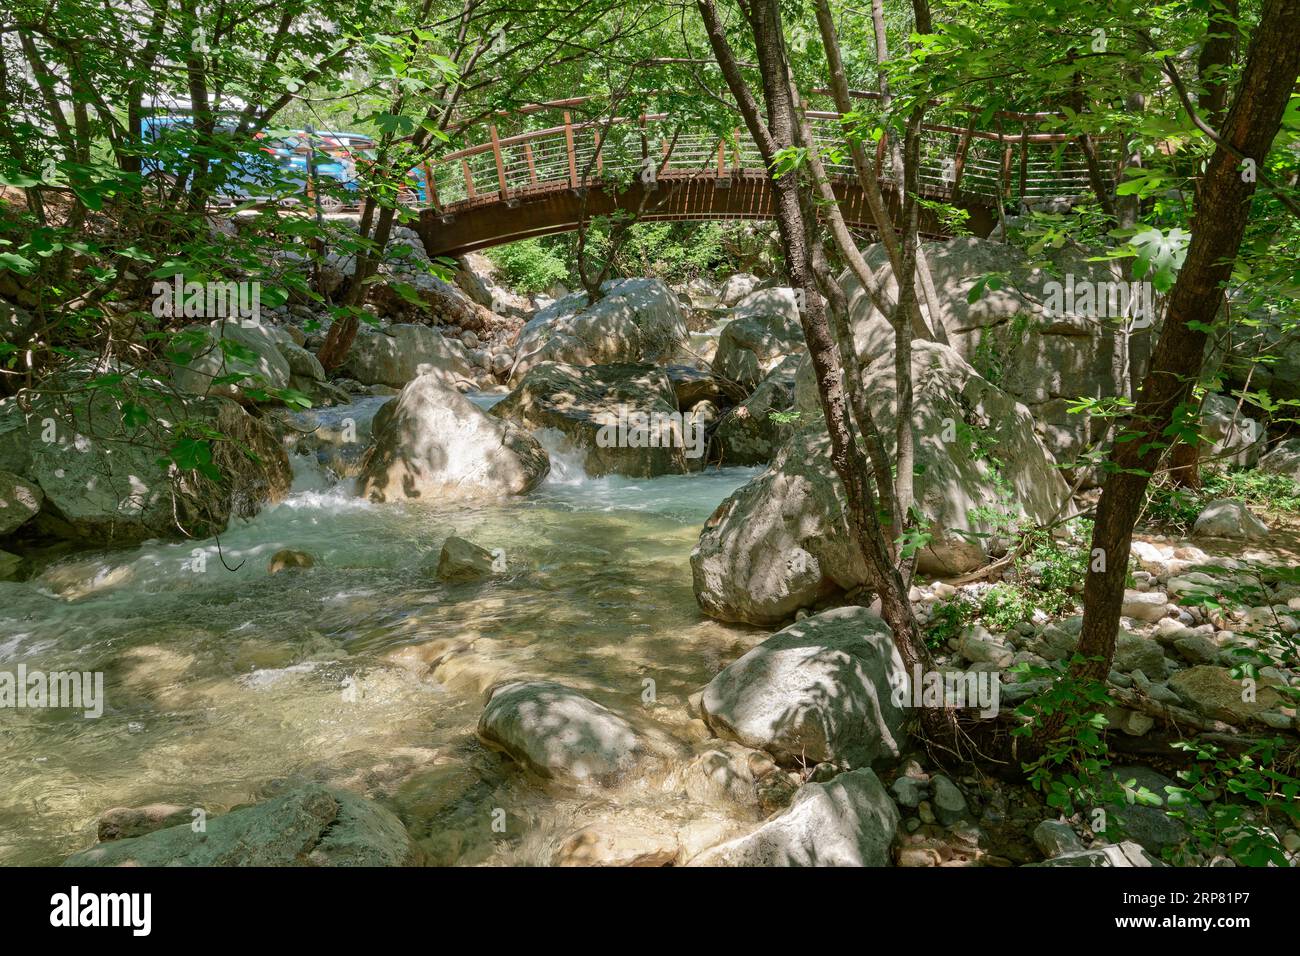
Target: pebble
x=949 y=802
x=907 y=791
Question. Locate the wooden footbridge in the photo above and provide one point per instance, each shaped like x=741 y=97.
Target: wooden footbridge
x=549 y=180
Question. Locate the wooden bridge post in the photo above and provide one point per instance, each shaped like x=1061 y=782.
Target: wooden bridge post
x=960 y=165
x=470 y=192
x=1024 y=159
x=600 y=159
x=430 y=187
x=503 y=189
x=1004 y=174
x=568 y=142
x=532 y=166
x=739 y=155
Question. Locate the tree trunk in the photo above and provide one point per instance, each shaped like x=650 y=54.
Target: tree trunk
x=846 y=458
x=1221 y=211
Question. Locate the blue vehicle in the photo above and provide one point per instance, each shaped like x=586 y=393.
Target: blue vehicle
x=278 y=169
x=255 y=173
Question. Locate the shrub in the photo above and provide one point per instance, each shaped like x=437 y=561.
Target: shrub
x=529 y=265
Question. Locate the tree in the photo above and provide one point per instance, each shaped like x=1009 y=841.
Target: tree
x=774 y=134
x=1222 y=209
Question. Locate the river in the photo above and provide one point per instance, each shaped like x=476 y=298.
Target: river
x=224 y=684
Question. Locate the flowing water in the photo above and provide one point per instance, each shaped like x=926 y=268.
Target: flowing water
x=225 y=685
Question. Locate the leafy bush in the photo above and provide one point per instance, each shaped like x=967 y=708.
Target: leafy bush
x=529 y=265
x=1054 y=571
x=674 y=252
x=1070 y=771
x=1274 y=492
x=1003 y=606
x=947 y=621
x=1265 y=791
x=1179 y=507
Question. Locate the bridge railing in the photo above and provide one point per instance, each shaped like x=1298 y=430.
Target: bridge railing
x=955 y=161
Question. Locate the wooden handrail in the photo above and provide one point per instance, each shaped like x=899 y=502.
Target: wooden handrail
x=519 y=139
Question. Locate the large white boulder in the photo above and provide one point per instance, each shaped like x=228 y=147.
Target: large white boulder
x=223 y=348
x=821 y=690
x=763 y=330
x=398 y=354
x=635 y=320
x=847 y=821
x=781 y=542
x=586 y=404
x=1027 y=337
x=432 y=443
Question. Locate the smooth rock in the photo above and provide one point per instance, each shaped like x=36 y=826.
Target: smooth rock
x=310 y=826
x=1229 y=518
x=287 y=559
x=433 y=443
x=1054 y=838
x=848 y=821
x=20 y=501
x=1145 y=605
x=821 y=690
x=559 y=734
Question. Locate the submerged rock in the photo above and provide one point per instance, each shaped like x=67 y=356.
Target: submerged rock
x=462 y=561
x=847 y=821
x=287 y=559
x=559 y=734
x=310 y=826
x=821 y=690
x=433 y=443
x=615 y=844
x=739 y=778
x=122 y=823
